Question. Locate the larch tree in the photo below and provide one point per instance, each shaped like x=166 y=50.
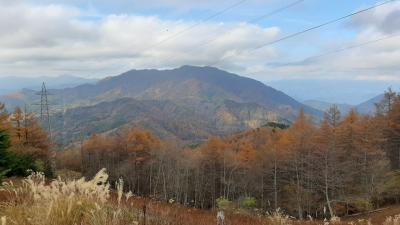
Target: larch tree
x=299 y=136
x=373 y=161
x=5 y=123
x=387 y=103
x=212 y=165
x=393 y=135
x=17 y=119
x=326 y=142
x=139 y=144
x=325 y=150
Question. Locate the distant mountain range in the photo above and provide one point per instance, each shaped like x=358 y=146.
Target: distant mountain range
x=367 y=107
x=324 y=106
x=186 y=103
x=351 y=92
x=13 y=84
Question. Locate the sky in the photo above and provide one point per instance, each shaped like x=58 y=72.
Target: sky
x=102 y=38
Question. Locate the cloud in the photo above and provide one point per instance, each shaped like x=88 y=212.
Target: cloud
x=127 y=6
x=54 y=38
x=378 y=60
x=385 y=19
x=40 y=26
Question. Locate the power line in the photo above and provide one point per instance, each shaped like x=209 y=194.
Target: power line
x=179 y=33
x=257 y=19
x=324 y=24
x=313 y=28
x=197 y=24
x=265 y=16
x=350 y=47
x=275 y=11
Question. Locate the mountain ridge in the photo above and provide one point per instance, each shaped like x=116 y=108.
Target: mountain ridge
x=188 y=102
x=149 y=84
x=9 y=84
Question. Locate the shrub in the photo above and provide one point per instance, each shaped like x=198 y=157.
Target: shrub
x=39 y=165
x=66 y=174
x=2 y=175
x=248 y=202
x=363 y=205
x=391 y=186
x=224 y=203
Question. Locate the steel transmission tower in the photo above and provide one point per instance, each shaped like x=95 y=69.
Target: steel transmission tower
x=44 y=108
x=45 y=119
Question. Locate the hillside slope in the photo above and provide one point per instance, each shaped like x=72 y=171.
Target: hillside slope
x=165 y=118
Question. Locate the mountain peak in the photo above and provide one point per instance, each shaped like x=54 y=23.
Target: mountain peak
x=201 y=68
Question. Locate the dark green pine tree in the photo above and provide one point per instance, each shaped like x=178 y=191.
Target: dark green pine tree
x=12 y=164
x=4 y=155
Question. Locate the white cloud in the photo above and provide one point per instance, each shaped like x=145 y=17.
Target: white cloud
x=385 y=19
x=375 y=61
x=54 y=39
x=126 y=6
x=51 y=39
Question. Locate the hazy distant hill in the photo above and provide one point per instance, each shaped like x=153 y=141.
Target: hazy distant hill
x=368 y=107
x=351 y=92
x=324 y=106
x=187 y=103
x=13 y=84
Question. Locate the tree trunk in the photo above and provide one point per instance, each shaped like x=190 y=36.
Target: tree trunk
x=275 y=185
x=328 y=202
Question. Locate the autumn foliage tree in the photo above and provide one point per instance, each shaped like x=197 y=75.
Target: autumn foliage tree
x=333 y=167
x=29 y=142
x=393 y=134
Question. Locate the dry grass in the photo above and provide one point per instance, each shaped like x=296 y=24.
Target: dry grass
x=82 y=202
x=61 y=202
x=377 y=216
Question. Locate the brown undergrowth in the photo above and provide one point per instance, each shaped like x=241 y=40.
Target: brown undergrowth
x=91 y=202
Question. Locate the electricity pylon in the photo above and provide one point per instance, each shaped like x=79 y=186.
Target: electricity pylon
x=44 y=109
